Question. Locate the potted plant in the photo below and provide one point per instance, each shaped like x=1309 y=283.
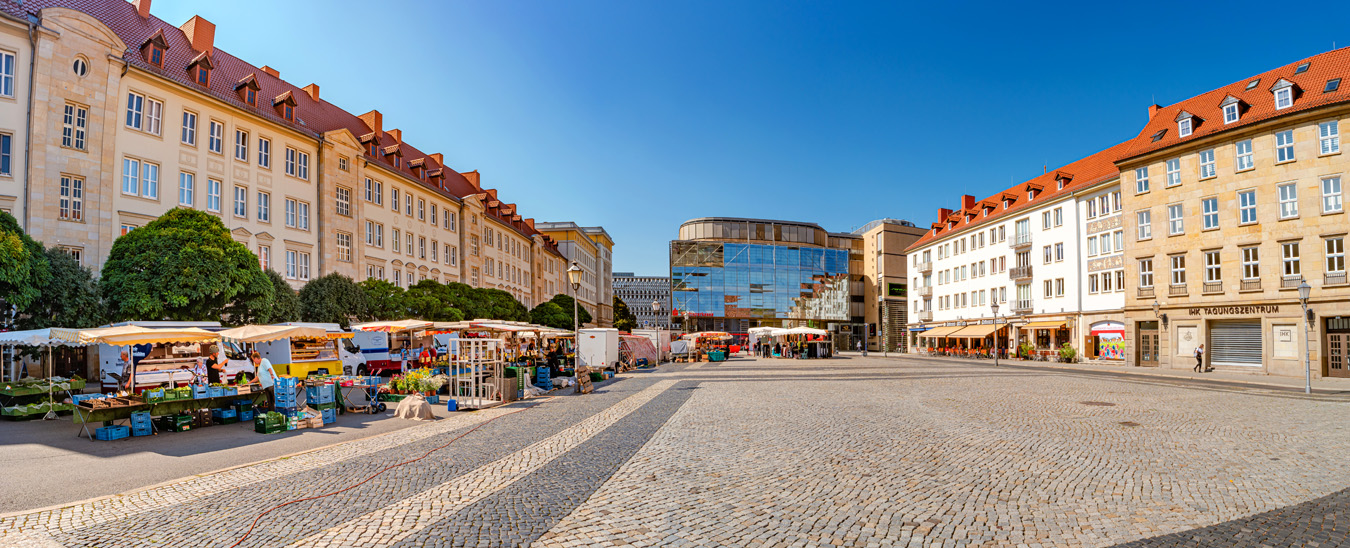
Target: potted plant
x=1067 y=354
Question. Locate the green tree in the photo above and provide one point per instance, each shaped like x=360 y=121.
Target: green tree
x=182 y=266
x=430 y=300
x=552 y=315
x=624 y=320
x=23 y=265
x=384 y=301
x=70 y=298
x=565 y=302
x=334 y=298
x=282 y=305
x=466 y=299
x=501 y=305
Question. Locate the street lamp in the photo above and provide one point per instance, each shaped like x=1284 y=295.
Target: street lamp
x=996 y=347
x=1304 y=290
x=656 y=311
x=574 y=279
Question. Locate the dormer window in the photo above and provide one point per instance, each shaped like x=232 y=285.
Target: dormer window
x=248 y=90
x=157 y=56
x=200 y=69
x=1186 y=123
x=1006 y=202
x=154 y=49
x=1284 y=93
x=203 y=76
x=285 y=105
x=1031 y=195
x=1230 y=113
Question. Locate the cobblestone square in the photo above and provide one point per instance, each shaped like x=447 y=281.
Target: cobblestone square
x=845 y=452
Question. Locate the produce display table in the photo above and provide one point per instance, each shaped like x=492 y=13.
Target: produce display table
x=85 y=416
x=19 y=401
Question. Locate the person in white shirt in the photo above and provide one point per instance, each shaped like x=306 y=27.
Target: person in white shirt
x=267 y=376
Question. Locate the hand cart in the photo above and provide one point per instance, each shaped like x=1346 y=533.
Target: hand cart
x=368 y=386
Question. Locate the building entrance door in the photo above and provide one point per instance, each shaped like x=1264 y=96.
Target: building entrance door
x=1148 y=344
x=1338 y=337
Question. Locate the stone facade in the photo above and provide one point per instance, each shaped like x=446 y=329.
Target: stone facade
x=886 y=282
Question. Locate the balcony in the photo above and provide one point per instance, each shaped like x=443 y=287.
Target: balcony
x=925 y=291
x=1019 y=241
x=1290 y=283
x=1251 y=285
x=1177 y=290
x=925 y=267
x=1020 y=272
x=1021 y=306
x=926 y=316
x=1334 y=278
x=1145 y=292
x=1212 y=288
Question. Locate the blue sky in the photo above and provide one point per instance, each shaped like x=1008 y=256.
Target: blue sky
x=640 y=115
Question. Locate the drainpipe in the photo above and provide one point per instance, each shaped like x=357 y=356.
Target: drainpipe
x=319 y=216
x=1078 y=268
x=33 y=24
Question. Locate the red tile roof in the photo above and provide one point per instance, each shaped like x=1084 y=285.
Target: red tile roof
x=1080 y=174
x=1258 y=103
x=312 y=117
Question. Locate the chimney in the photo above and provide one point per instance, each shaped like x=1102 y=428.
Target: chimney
x=397 y=134
x=201 y=33
x=967 y=202
x=272 y=71
x=374 y=121
x=942 y=214
x=440 y=158
x=473 y=178
x=1153 y=109
x=313 y=91
x=142 y=8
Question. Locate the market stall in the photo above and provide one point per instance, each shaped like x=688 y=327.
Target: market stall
x=20 y=398
x=393 y=345
x=708 y=345
x=294 y=350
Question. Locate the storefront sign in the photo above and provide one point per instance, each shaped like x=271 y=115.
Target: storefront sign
x=1229 y=310
x=895 y=290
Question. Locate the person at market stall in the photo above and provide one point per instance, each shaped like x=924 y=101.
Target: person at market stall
x=267 y=376
x=215 y=364
x=125 y=378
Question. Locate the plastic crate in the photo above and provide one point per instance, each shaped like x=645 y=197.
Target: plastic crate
x=246 y=416
x=152 y=395
x=140 y=419
x=142 y=430
x=214 y=392
x=319 y=394
x=200 y=392
x=175 y=423
x=110 y=433
x=434 y=398
x=322 y=406
x=329 y=416
x=77 y=398
x=226 y=413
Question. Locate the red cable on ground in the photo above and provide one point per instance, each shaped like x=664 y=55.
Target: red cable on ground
x=371 y=477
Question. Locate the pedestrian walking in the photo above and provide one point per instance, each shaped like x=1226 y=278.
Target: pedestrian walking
x=1200 y=359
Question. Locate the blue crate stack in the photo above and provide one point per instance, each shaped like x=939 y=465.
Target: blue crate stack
x=321 y=394
x=110 y=433
x=200 y=392
x=140 y=424
x=246 y=416
x=329 y=416
x=226 y=413
x=284 y=392
x=543 y=379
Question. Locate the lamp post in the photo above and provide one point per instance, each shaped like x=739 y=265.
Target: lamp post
x=656 y=311
x=996 y=347
x=1304 y=291
x=574 y=279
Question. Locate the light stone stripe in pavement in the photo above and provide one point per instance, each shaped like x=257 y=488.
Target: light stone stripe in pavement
x=184 y=492
x=408 y=516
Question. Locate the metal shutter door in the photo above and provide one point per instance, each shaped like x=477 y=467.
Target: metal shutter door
x=1235 y=343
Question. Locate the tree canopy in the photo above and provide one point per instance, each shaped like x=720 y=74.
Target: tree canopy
x=497 y=304
x=384 y=301
x=70 y=298
x=23 y=265
x=565 y=302
x=624 y=320
x=551 y=315
x=334 y=298
x=181 y=266
x=430 y=300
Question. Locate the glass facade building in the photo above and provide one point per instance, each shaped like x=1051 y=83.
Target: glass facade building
x=733 y=274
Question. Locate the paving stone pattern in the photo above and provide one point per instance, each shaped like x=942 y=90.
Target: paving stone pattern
x=846 y=452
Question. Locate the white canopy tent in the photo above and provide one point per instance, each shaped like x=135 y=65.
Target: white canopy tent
x=39 y=338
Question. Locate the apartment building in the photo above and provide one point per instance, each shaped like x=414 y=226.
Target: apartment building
x=136 y=116
x=886 y=282
x=590 y=249
x=639 y=292
x=1033 y=249
x=1234 y=199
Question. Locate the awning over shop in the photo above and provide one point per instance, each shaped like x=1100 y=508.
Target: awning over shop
x=1051 y=324
x=977 y=331
x=944 y=331
x=919 y=329
x=265 y=333
x=127 y=335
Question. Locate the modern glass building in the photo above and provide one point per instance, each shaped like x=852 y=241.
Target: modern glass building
x=730 y=274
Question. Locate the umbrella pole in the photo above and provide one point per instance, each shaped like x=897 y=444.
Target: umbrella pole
x=51 y=413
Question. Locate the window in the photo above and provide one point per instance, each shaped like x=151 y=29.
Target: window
x=291 y=212
x=473 y=244
x=1335 y=255
x=343 y=163
x=1209 y=207
x=1247 y=206
x=1288 y=200
x=6 y=74
x=1332 y=85
x=1178 y=269
x=189 y=134
x=1059 y=221
x=344 y=247
x=1284 y=98
x=1146 y=273
x=1331 y=195
x=397 y=238
x=264 y=153
x=1059 y=252
x=398 y=277
x=1106 y=282
x=1174 y=220
x=1091 y=208
x=421 y=209
x=375 y=189
x=6 y=154
x=1173 y=172
x=407 y=199
x=1284 y=146
x=1207 y=164
x=1049 y=254
x=421 y=247
x=291 y=264
x=1140 y=180
x=131 y=176
x=1251 y=263
x=451 y=221
x=213 y=195
x=1213 y=270
x=1230 y=113
x=215 y=141
x=451 y=255
x=1244 y=155
x=265 y=256
x=72 y=198
x=1329 y=133
x=135 y=110
x=1045 y=220
x=435 y=247
x=303 y=169
x=240 y=201
x=304 y=215
x=1059 y=287
x=1049 y=288
x=393 y=198
x=433 y=215
x=409 y=248
x=1289 y=258
x=344 y=201
x=202 y=75
x=1184 y=127
x=297 y=163
x=1144 y=220
x=241 y=145
x=74 y=124
x=264 y=207
x=1093 y=287
x=186 y=188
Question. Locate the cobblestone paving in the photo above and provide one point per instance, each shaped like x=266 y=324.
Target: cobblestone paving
x=848 y=452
